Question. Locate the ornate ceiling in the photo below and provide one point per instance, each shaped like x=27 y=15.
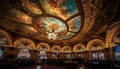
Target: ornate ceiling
x=72 y=20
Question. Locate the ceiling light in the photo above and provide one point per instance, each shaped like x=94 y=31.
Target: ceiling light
x=52 y=35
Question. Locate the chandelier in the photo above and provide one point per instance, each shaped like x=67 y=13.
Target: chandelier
x=52 y=35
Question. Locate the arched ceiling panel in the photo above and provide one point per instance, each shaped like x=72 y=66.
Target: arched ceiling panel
x=74 y=24
x=61 y=8
x=18 y=16
x=73 y=19
x=31 y=7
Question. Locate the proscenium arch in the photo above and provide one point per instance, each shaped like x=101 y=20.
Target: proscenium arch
x=109 y=35
x=43 y=44
x=77 y=45
x=7 y=36
x=65 y=47
x=89 y=44
x=56 y=46
x=18 y=41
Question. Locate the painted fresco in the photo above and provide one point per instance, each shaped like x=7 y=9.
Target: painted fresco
x=3 y=39
x=28 y=31
x=18 y=16
x=50 y=24
x=61 y=8
x=25 y=30
x=74 y=24
x=68 y=35
x=31 y=7
x=21 y=29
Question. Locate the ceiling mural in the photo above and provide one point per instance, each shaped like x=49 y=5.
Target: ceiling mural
x=30 y=7
x=49 y=24
x=61 y=8
x=62 y=22
x=74 y=24
x=21 y=29
x=19 y=16
x=68 y=35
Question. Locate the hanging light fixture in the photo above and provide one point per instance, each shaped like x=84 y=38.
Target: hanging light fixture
x=52 y=33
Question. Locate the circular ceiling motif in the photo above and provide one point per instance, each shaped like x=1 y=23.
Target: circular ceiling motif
x=44 y=19
x=46 y=25
x=50 y=24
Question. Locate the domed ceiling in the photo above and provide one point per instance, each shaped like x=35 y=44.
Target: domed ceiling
x=57 y=21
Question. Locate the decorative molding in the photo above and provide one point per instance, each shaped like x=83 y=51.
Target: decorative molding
x=67 y=49
x=7 y=36
x=23 y=42
x=96 y=44
x=109 y=34
x=56 y=47
x=43 y=45
x=82 y=48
